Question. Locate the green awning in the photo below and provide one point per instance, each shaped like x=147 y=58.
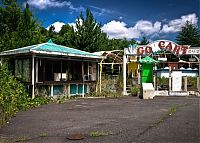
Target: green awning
x=148 y=60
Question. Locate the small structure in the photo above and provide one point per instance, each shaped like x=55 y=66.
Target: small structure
x=182 y=61
x=53 y=69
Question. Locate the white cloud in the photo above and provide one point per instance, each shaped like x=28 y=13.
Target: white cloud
x=117 y=29
x=101 y=11
x=44 y=4
x=176 y=24
x=147 y=27
x=57 y=25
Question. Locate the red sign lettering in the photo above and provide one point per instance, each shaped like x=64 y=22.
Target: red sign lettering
x=148 y=50
x=176 y=50
x=140 y=51
x=169 y=46
x=161 y=44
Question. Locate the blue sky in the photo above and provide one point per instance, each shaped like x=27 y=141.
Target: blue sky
x=156 y=19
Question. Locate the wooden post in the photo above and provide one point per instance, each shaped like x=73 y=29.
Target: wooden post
x=154 y=81
x=139 y=74
x=61 y=70
x=83 y=94
x=52 y=90
x=124 y=75
x=36 y=72
x=33 y=76
x=97 y=76
x=198 y=83
x=185 y=83
x=100 y=72
x=170 y=80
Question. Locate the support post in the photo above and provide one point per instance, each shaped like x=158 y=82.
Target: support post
x=97 y=77
x=36 y=71
x=170 y=79
x=83 y=95
x=124 y=74
x=100 y=72
x=33 y=76
x=154 y=81
x=139 y=77
x=198 y=83
x=61 y=70
x=185 y=83
x=52 y=90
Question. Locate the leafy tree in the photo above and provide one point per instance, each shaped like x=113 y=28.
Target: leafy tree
x=120 y=44
x=66 y=36
x=88 y=35
x=189 y=35
x=18 y=28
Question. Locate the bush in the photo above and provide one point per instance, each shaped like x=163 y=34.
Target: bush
x=192 y=83
x=135 y=90
x=13 y=96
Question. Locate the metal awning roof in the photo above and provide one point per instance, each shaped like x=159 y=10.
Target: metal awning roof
x=50 y=48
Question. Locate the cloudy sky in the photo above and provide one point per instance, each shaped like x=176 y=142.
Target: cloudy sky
x=156 y=19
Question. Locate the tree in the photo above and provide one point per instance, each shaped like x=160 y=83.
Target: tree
x=88 y=35
x=189 y=35
x=120 y=44
x=66 y=36
x=18 y=28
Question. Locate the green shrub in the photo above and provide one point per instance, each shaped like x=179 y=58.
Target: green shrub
x=192 y=83
x=135 y=89
x=13 y=96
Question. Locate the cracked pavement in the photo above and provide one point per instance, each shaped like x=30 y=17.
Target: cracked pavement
x=121 y=120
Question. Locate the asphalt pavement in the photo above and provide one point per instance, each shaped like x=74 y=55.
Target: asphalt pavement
x=108 y=120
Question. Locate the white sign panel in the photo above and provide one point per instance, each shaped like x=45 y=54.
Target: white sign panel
x=176 y=80
x=193 y=51
x=155 y=47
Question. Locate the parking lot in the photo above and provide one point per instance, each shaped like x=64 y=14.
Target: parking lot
x=108 y=120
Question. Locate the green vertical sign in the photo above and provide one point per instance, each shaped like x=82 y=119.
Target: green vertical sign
x=147 y=73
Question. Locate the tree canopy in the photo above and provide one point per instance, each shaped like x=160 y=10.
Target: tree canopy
x=189 y=35
x=88 y=35
x=18 y=27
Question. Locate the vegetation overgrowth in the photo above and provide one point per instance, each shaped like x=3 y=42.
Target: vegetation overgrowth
x=14 y=97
